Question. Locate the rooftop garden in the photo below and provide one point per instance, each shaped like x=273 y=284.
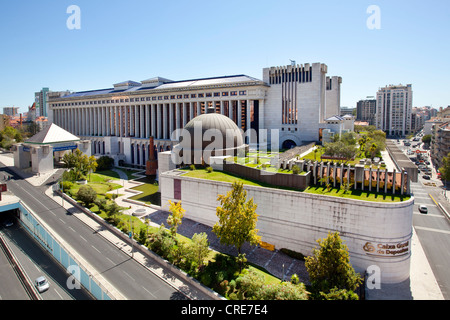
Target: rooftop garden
x=349 y=193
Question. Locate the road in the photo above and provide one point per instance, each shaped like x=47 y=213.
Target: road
x=129 y=277
x=11 y=288
x=36 y=262
x=433 y=228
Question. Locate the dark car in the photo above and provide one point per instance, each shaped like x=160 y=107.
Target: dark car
x=426 y=177
x=8 y=223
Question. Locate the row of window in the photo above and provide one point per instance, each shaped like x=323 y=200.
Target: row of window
x=154 y=98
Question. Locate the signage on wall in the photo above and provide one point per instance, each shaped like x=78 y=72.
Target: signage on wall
x=386 y=249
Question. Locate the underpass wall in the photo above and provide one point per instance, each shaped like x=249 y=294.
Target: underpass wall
x=76 y=267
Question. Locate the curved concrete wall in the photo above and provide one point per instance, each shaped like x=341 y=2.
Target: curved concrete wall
x=376 y=233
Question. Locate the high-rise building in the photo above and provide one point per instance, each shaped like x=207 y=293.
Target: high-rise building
x=41 y=100
x=366 y=110
x=393 y=111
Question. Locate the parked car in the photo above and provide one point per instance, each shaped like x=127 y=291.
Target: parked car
x=426 y=177
x=41 y=284
x=423 y=208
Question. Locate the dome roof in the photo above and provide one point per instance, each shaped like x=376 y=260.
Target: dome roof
x=219 y=126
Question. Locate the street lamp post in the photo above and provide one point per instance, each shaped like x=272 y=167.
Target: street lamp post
x=131 y=237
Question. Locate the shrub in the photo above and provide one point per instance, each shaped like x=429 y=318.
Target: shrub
x=86 y=195
x=209 y=169
x=104 y=163
x=249 y=283
x=66 y=185
x=282 y=291
x=192 y=167
x=295 y=169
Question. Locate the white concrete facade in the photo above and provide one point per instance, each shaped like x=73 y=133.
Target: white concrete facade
x=119 y=121
x=377 y=234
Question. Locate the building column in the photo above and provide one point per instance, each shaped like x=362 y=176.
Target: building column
x=171 y=120
x=239 y=114
x=165 y=116
x=153 y=119
x=199 y=108
x=121 y=121
x=185 y=113
x=191 y=110
x=160 y=121
x=147 y=121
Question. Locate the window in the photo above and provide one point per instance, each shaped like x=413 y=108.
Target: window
x=224 y=94
x=132 y=100
x=200 y=95
x=153 y=98
x=147 y=98
x=208 y=94
x=186 y=96
x=242 y=93
x=193 y=95
x=233 y=93
x=166 y=97
x=159 y=98
x=179 y=96
x=172 y=97
x=142 y=99
x=216 y=94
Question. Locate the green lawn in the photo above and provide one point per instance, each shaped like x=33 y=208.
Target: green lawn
x=357 y=194
x=150 y=193
x=103 y=176
x=218 y=176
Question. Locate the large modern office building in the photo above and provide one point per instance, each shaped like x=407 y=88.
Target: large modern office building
x=291 y=102
x=393 y=110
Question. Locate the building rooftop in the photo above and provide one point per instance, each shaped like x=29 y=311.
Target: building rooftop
x=52 y=134
x=159 y=83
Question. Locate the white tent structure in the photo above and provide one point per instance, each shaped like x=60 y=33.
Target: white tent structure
x=39 y=151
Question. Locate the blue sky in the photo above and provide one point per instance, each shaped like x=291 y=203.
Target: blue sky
x=180 y=39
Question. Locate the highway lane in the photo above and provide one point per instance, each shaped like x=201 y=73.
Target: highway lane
x=125 y=274
x=38 y=262
x=11 y=288
x=433 y=231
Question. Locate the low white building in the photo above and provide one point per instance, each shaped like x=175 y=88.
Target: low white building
x=39 y=153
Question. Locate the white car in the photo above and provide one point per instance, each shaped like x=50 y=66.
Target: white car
x=423 y=208
x=41 y=284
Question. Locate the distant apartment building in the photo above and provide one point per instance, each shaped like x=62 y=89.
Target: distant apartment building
x=393 y=109
x=444 y=113
x=440 y=142
x=417 y=121
x=346 y=111
x=366 y=110
x=11 y=111
x=41 y=100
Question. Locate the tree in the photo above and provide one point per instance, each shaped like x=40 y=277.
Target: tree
x=176 y=214
x=445 y=169
x=329 y=267
x=426 y=138
x=198 y=249
x=237 y=218
x=86 y=194
x=91 y=165
x=373 y=149
x=79 y=163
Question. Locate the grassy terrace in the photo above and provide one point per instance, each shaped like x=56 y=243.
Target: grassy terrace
x=322 y=190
